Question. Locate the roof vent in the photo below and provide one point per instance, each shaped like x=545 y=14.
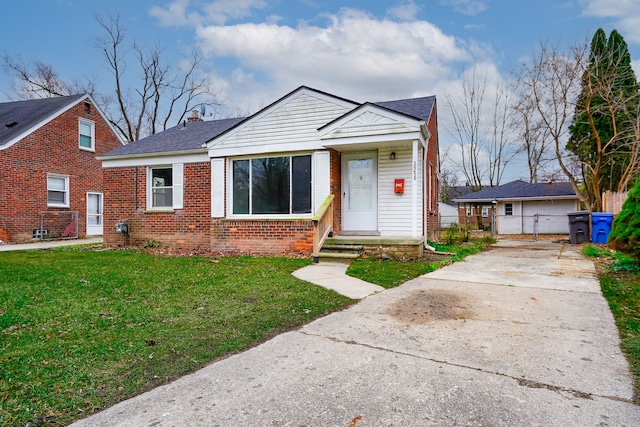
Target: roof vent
x=12 y=124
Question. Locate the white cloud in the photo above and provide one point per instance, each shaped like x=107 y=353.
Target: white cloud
x=217 y=12
x=625 y=13
x=355 y=55
x=466 y=7
x=406 y=10
x=174 y=14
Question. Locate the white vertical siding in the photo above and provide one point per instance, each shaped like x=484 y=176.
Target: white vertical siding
x=394 y=210
x=321 y=178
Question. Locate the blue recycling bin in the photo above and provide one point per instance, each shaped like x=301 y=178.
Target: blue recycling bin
x=600 y=226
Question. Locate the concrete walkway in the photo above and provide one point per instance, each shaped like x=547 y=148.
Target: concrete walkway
x=332 y=275
x=519 y=335
x=49 y=244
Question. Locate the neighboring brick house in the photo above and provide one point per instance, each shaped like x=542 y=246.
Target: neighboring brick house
x=309 y=165
x=48 y=167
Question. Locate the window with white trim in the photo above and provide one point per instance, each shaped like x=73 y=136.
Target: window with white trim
x=58 y=190
x=164 y=189
x=161 y=187
x=485 y=211
x=86 y=134
x=508 y=209
x=271 y=185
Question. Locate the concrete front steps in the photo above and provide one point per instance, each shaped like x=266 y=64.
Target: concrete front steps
x=335 y=250
x=348 y=248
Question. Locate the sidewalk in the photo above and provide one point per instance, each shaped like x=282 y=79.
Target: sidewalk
x=49 y=244
x=519 y=335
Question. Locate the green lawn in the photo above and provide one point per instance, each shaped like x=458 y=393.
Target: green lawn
x=620 y=283
x=388 y=273
x=82 y=329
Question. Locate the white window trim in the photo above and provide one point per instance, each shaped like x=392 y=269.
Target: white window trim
x=177 y=171
x=485 y=211
x=92 y=124
x=66 y=190
x=230 y=213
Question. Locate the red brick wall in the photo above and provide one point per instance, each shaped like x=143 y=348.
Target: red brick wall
x=182 y=228
x=335 y=188
x=51 y=149
x=262 y=237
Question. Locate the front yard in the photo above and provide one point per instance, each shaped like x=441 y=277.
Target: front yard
x=84 y=328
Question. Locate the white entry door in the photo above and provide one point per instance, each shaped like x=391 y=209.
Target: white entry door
x=94 y=214
x=360 y=192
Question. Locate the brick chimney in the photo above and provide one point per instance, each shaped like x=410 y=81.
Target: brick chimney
x=194 y=117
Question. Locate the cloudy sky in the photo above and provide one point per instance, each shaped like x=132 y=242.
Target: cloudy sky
x=258 y=50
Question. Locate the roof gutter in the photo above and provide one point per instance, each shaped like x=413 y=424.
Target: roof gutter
x=148 y=155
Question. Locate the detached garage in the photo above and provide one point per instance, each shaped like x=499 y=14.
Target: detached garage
x=525 y=208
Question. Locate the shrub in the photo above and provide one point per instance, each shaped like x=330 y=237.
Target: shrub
x=625 y=230
x=151 y=244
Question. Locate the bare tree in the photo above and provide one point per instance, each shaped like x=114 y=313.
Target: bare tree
x=556 y=81
x=165 y=96
x=148 y=95
x=482 y=122
x=536 y=139
x=552 y=80
x=39 y=80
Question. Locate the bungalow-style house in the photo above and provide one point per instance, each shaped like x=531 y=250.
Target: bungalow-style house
x=307 y=166
x=523 y=207
x=51 y=179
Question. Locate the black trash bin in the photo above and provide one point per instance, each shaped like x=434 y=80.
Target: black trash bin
x=578 y=227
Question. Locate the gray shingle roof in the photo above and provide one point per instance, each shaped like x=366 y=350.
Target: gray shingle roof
x=19 y=117
x=184 y=137
x=518 y=190
x=419 y=108
x=193 y=135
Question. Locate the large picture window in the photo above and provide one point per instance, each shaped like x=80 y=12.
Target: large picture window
x=272 y=185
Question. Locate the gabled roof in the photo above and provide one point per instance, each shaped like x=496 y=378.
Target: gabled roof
x=190 y=137
x=186 y=137
x=20 y=118
x=516 y=190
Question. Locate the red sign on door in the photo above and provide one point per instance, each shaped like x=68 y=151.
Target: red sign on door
x=398 y=186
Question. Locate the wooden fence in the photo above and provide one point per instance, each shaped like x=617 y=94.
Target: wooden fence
x=612 y=202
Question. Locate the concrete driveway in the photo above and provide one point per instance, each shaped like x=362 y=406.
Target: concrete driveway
x=517 y=336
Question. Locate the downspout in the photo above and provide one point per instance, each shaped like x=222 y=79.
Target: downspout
x=414 y=189
x=425 y=203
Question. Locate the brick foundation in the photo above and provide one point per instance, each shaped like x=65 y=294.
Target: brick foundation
x=264 y=237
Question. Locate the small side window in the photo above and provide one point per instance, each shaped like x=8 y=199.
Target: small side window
x=86 y=135
x=508 y=209
x=58 y=190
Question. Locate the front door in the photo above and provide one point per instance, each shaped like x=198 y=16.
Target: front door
x=94 y=214
x=360 y=192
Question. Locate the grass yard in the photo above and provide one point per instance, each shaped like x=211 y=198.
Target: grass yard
x=389 y=274
x=620 y=283
x=83 y=329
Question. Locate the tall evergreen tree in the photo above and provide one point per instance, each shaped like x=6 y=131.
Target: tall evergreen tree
x=606 y=111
